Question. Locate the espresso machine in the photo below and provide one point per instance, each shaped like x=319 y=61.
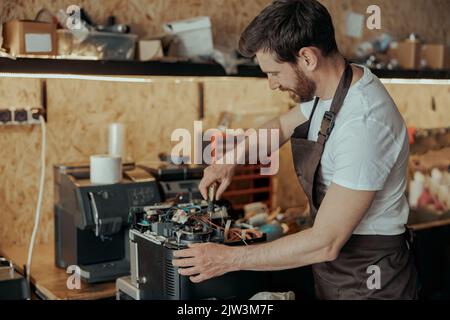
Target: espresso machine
x=91 y=221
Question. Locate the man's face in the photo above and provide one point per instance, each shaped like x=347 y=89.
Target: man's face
x=286 y=77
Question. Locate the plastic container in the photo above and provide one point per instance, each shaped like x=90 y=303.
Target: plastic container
x=193 y=37
x=96 y=45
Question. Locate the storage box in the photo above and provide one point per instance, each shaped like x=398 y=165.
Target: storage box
x=407 y=53
x=150 y=50
x=435 y=56
x=96 y=45
x=21 y=37
x=193 y=37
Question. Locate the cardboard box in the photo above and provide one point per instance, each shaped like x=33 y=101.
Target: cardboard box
x=193 y=37
x=21 y=37
x=407 y=53
x=435 y=56
x=150 y=50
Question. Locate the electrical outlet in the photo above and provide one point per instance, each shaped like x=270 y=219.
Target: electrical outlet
x=21 y=116
x=34 y=114
x=5 y=116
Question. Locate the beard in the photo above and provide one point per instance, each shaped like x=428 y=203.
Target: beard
x=304 y=88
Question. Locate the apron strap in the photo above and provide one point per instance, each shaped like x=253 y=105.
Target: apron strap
x=330 y=116
x=316 y=102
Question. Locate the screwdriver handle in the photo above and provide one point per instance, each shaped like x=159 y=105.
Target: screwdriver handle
x=212 y=192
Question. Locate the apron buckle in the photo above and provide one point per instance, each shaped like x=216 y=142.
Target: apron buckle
x=330 y=117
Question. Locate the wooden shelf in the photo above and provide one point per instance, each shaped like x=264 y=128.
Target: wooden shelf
x=102 y=67
x=248 y=186
x=166 y=68
x=255 y=71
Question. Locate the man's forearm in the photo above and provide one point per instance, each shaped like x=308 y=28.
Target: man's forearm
x=296 y=250
x=276 y=124
x=243 y=148
x=285 y=125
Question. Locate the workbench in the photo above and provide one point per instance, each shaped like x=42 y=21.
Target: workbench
x=50 y=282
x=421 y=220
x=431 y=246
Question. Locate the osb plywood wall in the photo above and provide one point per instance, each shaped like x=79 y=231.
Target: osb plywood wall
x=433 y=101
x=428 y=18
x=18 y=169
x=78 y=116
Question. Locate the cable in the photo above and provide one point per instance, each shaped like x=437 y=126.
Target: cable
x=235 y=231
x=37 y=214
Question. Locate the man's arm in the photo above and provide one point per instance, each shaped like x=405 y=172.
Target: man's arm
x=340 y=213
x=223 y=173
x=286 y=123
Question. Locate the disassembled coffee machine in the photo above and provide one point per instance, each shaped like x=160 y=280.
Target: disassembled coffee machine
x=179 y=225
x=158 y=231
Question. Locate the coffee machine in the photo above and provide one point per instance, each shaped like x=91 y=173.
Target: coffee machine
x=156 y=232
x=91 y=221
x=176 y=181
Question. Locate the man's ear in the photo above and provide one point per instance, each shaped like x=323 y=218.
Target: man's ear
x=308 y=58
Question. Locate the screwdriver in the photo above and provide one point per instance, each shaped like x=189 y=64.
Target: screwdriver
x=211 y=197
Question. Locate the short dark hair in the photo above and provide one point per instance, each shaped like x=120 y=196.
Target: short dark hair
x=286 y=26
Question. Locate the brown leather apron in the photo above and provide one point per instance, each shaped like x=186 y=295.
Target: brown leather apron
x=363 y=258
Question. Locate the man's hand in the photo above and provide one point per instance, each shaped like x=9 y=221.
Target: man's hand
x=221 y=173
x=204 y=261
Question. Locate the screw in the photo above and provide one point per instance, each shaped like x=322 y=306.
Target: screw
x=142 y=280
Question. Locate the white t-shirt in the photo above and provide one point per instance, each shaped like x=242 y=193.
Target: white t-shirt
x=367 y=150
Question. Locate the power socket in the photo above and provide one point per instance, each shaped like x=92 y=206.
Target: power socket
x=34 y=114
x=5 y=116
x=21 y=116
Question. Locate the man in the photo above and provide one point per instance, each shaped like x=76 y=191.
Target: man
x=350 y=150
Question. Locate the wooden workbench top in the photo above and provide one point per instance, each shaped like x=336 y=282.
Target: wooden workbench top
x=421 y=219
x=49 y=280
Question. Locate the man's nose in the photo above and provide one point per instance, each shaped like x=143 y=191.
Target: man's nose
x=274 y=85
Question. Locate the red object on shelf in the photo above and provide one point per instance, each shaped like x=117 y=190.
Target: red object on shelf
x=425 y=198
x=411 y=134
x=221 y=143
x=248 y=186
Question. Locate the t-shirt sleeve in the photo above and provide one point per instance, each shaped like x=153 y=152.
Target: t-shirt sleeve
x=365 y=155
